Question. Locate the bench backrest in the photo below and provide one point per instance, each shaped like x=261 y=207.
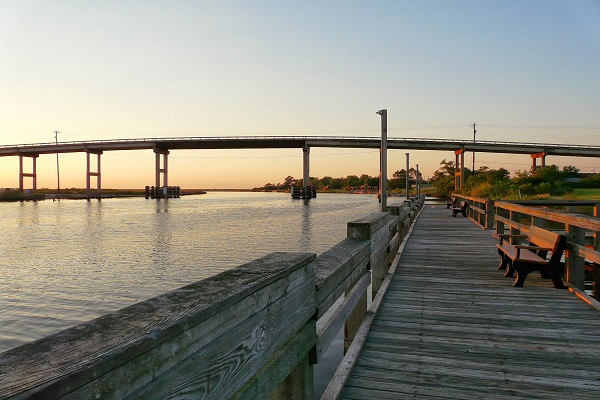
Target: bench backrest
x=544 y=238
x=464 y=205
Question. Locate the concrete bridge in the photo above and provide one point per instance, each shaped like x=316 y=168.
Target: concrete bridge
x=163 y=146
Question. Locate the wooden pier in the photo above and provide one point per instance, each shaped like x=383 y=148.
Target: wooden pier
x=451 y=326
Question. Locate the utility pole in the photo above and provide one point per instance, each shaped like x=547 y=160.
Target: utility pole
x=474 y=132
x=57 y=169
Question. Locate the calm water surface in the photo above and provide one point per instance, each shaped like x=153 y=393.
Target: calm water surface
x=67 y=262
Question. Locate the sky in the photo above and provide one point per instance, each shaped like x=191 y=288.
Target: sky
x=524 y=71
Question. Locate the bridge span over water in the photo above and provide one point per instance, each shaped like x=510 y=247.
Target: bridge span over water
x=163 y=146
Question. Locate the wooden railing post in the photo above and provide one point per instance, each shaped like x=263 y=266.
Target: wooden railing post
x=489 y=213
x=500 y=224
x=361 y=231
x=514 y=216
x=575 y=265
x=298 y=385
x=596 y=244
x=539 y=222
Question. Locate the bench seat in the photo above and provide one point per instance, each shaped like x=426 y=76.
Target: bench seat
x=525 y=256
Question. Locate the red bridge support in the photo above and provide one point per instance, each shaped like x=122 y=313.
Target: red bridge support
x=459 y=175
x=535 y=156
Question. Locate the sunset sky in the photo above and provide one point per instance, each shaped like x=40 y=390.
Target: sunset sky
x=523 y=70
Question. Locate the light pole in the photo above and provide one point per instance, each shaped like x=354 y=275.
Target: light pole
x=57 y=169
x=407 y=176
x=417 y=166
x=383 y=161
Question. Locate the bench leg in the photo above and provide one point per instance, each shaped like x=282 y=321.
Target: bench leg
x=454 y=213
x=464 y=213
x=510 y=271
x=554 y=274
x=503 y=261
x=522 y=271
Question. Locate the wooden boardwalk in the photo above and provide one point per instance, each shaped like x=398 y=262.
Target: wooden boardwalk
x=452 y=327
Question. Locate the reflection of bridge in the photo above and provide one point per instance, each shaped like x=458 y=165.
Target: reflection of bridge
x=162 y=146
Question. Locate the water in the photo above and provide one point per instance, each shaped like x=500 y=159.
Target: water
x=67 y=262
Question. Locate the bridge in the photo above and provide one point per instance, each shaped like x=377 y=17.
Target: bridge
x=163 y=146
x=443 y=322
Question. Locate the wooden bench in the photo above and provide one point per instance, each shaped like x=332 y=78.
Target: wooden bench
x=532 y=257
x=462 y=209
x=453 y=202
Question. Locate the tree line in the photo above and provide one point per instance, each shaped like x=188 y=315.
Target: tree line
x=497 y=183
x=397 y=182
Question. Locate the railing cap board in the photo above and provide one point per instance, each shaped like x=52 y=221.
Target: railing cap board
x=396 y=209
x=581 y=221
x=334 y=261
x=374 y=221
x=139 y=327
x=475 y=199
x=554 y=202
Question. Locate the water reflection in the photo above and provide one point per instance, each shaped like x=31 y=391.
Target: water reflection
x=28 y=213
x=161 y=234
x=71 y=261
x=306 y=235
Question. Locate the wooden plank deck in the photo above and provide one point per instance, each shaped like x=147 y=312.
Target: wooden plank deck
x=452 y=327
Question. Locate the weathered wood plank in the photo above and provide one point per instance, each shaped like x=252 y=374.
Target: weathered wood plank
x=336 y=321
x=338 y=269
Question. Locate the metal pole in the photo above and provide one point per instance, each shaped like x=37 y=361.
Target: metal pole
x=383 y=161
x=407 y=177
x=474 y=132
x=417 y=165
x=57 y=168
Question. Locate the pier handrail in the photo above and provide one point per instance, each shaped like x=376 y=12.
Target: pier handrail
x=480 y=210
x=246 y=333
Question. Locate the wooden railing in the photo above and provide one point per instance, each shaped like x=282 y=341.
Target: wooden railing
x=480 y=210
x=246 y=333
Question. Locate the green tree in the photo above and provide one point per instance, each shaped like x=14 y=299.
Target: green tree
x=443 y=178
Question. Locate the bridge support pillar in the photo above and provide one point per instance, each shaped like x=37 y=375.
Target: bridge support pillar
x=534 y=158
x=459 y=174
x=97 y=174
x=306 y=165
x=32 y=174
x=164 y=170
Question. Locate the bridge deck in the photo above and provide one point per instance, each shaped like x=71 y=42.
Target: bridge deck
x=451 y=326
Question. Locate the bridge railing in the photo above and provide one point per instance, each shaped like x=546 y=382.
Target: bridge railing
x=459 y=143
x=247 y=333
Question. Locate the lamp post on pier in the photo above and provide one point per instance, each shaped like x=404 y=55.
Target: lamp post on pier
x=383 y=161
x=407 y=175
x=417 y=179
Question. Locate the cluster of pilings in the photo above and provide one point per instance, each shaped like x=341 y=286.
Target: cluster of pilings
x=163 y=192
x=303 y=192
